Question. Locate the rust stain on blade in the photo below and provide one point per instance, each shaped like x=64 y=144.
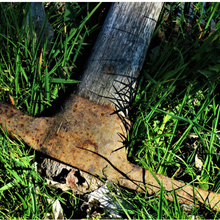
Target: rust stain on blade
x=85 y=130
x=85 y=135
x=27 y=128
x=77 y=136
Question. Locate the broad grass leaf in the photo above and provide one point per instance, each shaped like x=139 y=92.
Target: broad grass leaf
x=204 y=186
x=207 y=73
x=60 y=80
x=215 y=68
x=68 y=12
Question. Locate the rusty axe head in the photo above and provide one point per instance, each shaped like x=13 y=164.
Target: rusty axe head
x=84 y=134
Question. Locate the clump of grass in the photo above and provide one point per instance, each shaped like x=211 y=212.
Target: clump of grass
x=18 y=182
x=139 y=206
x=29 y=76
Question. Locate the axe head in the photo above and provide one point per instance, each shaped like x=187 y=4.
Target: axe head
x=84 y=134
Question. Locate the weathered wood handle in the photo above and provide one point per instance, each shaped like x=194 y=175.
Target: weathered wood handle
x=119 y=52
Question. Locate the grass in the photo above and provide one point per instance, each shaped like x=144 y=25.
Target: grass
x=19 y=180
x=175 y=112
x=29 y=75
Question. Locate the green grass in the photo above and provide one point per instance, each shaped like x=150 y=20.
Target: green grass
x=29 y=75
x=177 y=98
x=18 y=181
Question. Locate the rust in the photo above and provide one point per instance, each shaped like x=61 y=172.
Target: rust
x=85 y=135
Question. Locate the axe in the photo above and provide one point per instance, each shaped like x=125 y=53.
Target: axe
x=86 y=134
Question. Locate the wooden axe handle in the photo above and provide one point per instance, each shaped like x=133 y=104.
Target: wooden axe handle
x=119 y=52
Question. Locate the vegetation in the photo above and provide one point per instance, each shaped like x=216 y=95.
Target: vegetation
x=30 y=76
x=175 y=112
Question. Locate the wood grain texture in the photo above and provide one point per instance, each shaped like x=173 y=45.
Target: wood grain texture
x=119 y=52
